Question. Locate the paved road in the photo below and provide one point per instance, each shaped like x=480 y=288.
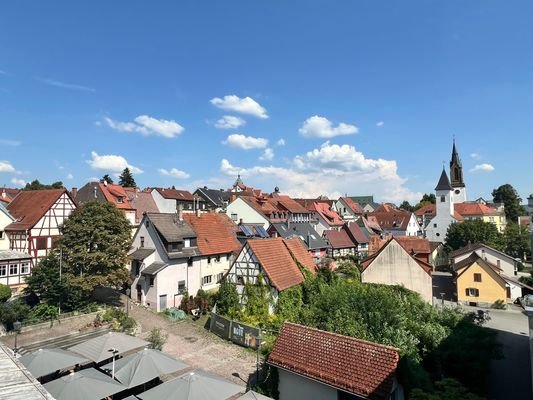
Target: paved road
x=443 y=286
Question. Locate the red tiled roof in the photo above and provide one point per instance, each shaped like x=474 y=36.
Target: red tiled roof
x=428 y=210
x=356 y=208
x=113 y=193
x=355 y=231
x=331 y=217
x=352 y=365
x=29 y=206
x=141 y=202
x=385 y=207
x=8 y=194
x=300 y=253
x=393 y=220
x=215 y=233
x=175 y=194
x=414 y=245
x=472 y=209
x=277 y=262
x=339 y=239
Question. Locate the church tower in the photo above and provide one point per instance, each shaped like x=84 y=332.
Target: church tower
x=438 y=226
x=456 y=175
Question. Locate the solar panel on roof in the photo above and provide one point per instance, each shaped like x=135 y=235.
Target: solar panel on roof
x=246 y=230
x=262 y=232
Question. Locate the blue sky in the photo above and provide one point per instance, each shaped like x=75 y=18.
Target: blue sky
x=317 y=97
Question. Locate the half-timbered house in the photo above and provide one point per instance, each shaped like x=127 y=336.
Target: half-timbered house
x=15 y=267
x=38 y=215
x=276 y=260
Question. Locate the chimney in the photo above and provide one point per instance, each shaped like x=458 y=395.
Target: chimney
x=240 y=221
x=4 y=193
x=180 y=212
x=105 y=182
x=73 y=192
x=198 y=212
x=94 y=192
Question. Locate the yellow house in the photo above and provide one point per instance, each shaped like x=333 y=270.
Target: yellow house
x=479 y=283
x=472 y=210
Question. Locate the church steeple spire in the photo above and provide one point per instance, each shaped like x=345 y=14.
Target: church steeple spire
x=456 y=169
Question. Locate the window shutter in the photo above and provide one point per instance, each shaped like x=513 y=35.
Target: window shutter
x=477 y=292
x=467 y=292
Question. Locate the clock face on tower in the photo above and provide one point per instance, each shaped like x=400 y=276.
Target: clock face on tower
x=457 y=191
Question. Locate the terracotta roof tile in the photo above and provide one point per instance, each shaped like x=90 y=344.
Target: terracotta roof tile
x=356 y=232
x=30 y=205
x=277 y=262
x=215 y=233
x=353 y=365
x=116 y=195
x=356 y=208
x=428 y=210
x=339 y=239
x=183 y=195
x=472 y=209
x=393 y=220
x=413 y=244
x=141 y=202
x=300 y=253
x=331 y=217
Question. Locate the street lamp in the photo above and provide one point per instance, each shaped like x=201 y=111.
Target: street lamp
x=128 y=291
x=442 y=298
x=17 y=325
x=259 y=339
x=114 y=352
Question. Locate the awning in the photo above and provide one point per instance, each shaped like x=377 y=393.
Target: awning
x=153 y=268
x=98 y=349
x=141 y=254
x=251 y=395
x=47 y=361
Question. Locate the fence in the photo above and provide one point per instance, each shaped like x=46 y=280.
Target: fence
x=237 y=332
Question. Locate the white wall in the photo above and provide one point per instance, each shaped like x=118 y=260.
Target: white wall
x=246 y=213
x=214 y=269
x=296 y=387
x=4 y=221
x=163 y=205
x=394 y=266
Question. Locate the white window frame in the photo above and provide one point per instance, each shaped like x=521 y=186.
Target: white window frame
x=15 y=267
x=207 y=280
x=25 y=268
x=3 y=270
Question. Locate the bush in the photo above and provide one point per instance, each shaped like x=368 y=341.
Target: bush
x=13 y=311
x=157 y=339
x=499 y=305
x=44 y=312
x=5 y=293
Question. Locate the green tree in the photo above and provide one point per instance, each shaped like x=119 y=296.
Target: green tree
x=36 y=185
x=13 y=311
x=5 y=293
x=406 y=206
x=425 y=200
x=446 y=389
x=472 y=231
x=157 y=338
x=227 y=298
x=517 y=241
x=106 y=178
x=126 y=178
x=507 y=195
x=95 y=242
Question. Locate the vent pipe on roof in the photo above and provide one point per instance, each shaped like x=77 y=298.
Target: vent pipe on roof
x=94 y=192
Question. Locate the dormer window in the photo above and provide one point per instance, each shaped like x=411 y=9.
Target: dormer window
x=187 y=243
x=120 y=199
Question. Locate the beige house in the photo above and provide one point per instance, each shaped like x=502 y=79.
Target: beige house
x=393 y=265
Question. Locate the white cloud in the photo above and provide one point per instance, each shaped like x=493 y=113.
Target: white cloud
x=70 y=176
x=267 y=155
x=245 y=105
x=475 y=156
x=230 y=122
x=111 y=163
x=6 y=166
x=281 y=142
x=245 y=142
x=485 y=167
x=320 y=127
x=93 y=179
x=380 y=124
x=175 y=173
x=18 y=182
x=331 y=170
x=63 y=85
x=2 y=72
x=9 y=142
x=147 y=125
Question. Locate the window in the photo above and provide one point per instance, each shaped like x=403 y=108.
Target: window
x=206 y=280
x=41 y=243
x=14 y=269
x=189 y=262
x=181 y=287
x=434 y=225
x=120 y=199
x=442 y=199
x=234 y=217
x=240 y=280
x=187 y=243
x=472 y=292
x=24 y=268
x=219 y=277
x=147 y=223
x=498 y=263
x=151 y=281
x=1 y=234
x=217 y=258
x=491 y=219
x=209 y=260
x=3 y=270
x=477 y=277
x=142 y=241
x=228 y=256
x=137 y=267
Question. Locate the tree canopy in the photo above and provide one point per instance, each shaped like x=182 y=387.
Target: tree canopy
x=126 y=178
x=5 y=293
x=472 y=231
x=406 y=206
x=517 y=241
x=36 y=185
x=106 y=178
x=95 y=242
x=425 y=200
x=508 y=195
